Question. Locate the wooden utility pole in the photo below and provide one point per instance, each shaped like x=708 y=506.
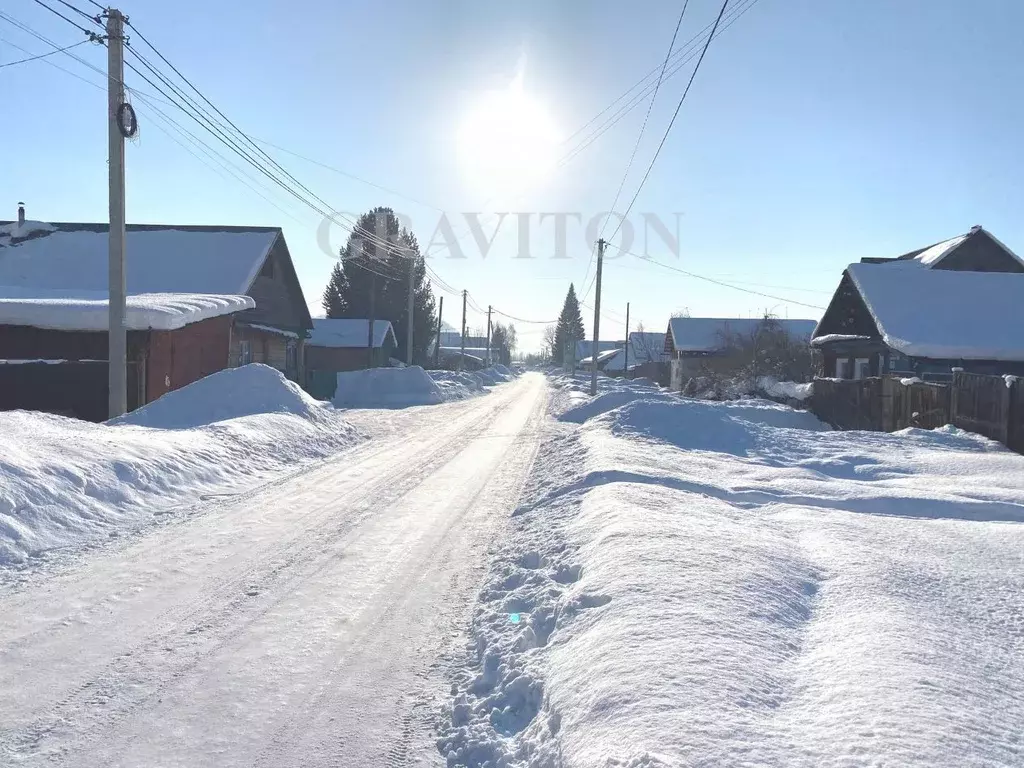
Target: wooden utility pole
x=597 y=318
x=117 y=378
x=437 y=348
x=369 y=327
x=412 y=307
x=488 y=334
x=625 y=365
x=462 y=336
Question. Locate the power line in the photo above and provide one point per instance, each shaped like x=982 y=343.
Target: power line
x=640 y=135
x=384 y=243
x=717 y=282
x=42 y=55
x=521 y=319
x=94 y=19
x=54 y=11
x=671 y=122
x=682 y=58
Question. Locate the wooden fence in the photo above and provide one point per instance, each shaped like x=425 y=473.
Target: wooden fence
x=989 y=405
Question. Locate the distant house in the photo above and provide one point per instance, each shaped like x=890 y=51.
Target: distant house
x=956 y=304
x=343 y=344
x=689 y=341
x=200 y=298
x=586 y=348
x=646 y=352
x=473 y=357
x=603 y=360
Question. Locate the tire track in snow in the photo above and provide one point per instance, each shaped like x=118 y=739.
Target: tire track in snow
x=208 y=629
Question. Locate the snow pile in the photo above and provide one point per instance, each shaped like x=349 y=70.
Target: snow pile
x=457 y=385
x=66 y=482
x=386 y=388
x=695 y=583
x=228 y=394
x=70 y=310
x=784 y=390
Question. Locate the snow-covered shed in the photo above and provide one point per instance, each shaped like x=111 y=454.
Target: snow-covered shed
x=200 y=299
x=342 y=344
x=162 y=259
x=956 y=304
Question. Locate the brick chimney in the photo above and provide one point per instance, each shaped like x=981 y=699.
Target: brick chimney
x=21 y=214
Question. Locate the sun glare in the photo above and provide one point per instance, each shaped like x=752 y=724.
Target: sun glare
x=507 y=141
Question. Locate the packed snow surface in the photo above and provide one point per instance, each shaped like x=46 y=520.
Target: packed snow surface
x=723 y=584
x=65 y=482
x=70 y=310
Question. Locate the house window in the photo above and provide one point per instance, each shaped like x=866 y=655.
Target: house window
x=244 y=352
x=291 y=356
x=861 y=368
x=843 y=368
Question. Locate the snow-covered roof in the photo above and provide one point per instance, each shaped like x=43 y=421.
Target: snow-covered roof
x=602 y=356
x=945 y=314
x=65 y=310
x=348 y=332
x=934 y=254
x=158 y=259
x=586 y=348
x=705 y=334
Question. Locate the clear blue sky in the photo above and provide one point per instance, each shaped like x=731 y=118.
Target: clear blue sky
x=816 y=133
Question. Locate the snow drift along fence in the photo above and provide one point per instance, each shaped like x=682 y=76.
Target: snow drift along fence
x=989 y=405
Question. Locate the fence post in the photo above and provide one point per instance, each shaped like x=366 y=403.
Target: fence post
x=954 y=396
x=888 y=417
x=1004 y=413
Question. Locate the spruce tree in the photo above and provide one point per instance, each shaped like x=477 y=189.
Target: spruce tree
x=569 y=329
x=375 y=260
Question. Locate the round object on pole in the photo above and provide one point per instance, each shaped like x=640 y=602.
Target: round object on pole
x=127 y=122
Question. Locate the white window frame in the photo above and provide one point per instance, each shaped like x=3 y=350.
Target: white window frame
x=861 y=367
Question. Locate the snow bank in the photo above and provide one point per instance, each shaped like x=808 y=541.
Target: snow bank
x=228 y=394
x=65 y=482
x=457 y=385
x=386 y=388
x=694 y=583
x=785 y=390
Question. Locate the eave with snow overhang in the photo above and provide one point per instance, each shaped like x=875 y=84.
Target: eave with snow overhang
x=957 y=303
x=175 y=259
x=85 y=311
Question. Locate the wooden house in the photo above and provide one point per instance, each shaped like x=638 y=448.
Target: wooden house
x=343 y=344
x=956 y=304
x=53 y=277
x=690 y=341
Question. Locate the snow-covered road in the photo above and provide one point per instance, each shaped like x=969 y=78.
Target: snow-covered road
x=297 y=625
